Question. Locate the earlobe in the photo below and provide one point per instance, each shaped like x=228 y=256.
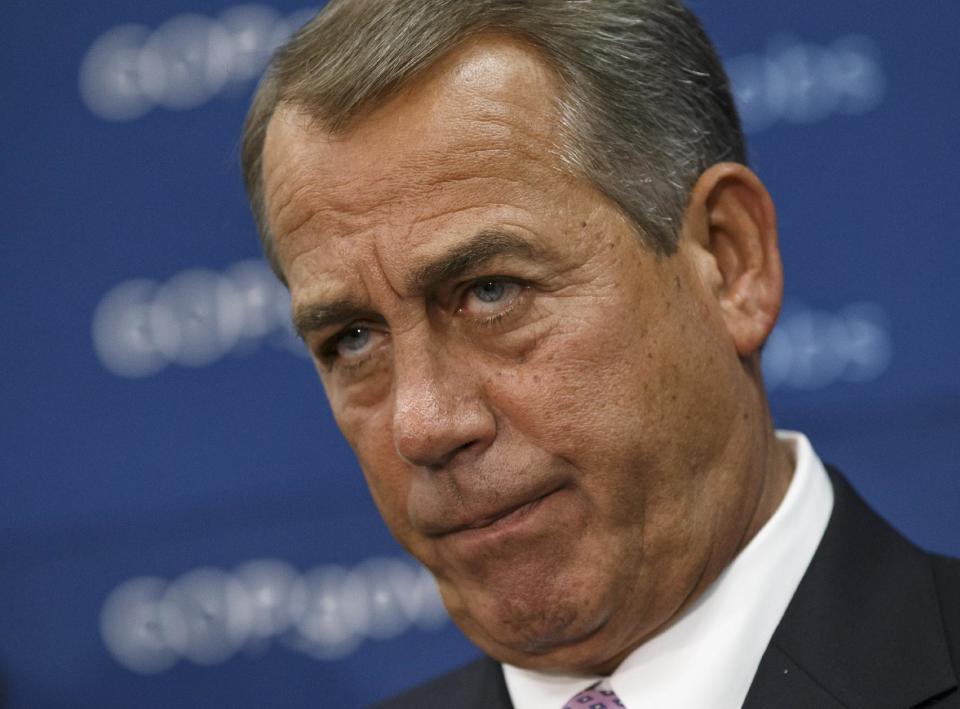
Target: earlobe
x=731 y=220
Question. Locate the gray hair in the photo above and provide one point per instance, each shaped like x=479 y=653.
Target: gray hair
x=645 y=103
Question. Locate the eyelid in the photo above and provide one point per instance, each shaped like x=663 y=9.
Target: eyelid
x=495 y=315
x=326 y=351
x=461 y=290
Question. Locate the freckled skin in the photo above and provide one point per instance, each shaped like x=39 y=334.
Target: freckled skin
x=611 y=381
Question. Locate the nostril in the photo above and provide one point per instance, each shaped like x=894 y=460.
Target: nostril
x=445 y=461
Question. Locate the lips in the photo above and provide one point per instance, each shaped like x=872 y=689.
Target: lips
x=500 y=517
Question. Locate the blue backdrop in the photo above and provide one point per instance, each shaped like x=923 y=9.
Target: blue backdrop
x=182 y=524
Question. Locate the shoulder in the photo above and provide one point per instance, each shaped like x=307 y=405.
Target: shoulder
x=875 y=620
x=479 y=684
x=946 y=576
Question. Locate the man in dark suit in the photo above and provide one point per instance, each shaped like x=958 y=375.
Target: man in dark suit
x=874 y=623
x=535 y=274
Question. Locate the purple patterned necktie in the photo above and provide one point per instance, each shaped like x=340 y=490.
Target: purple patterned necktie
x=594 y=698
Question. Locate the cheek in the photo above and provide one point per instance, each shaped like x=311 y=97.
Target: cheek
x=369 y=434
x=580 y=387
x=623 y=398
x=389 y=487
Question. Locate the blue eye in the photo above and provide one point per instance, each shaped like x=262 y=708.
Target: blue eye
x=489 y=291
x=490 y=296
x=352 y=341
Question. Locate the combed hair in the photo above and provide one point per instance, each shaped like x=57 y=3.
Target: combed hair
x=644 y=101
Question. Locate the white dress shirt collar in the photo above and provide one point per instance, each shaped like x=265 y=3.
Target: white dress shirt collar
x=709 y=656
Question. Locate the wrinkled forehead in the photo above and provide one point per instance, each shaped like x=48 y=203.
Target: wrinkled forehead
x=486 y=112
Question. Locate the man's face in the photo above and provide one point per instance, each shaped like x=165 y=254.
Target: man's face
x=549 y=417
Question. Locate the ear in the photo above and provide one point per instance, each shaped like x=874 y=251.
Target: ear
x=731 y=223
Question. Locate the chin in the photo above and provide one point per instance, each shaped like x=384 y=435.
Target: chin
x=544 y=632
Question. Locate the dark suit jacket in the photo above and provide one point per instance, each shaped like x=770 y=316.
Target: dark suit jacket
x=875 y=623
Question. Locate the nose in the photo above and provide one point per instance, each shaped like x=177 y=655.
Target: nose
x=439 y=410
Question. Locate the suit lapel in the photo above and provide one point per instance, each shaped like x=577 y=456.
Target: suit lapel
x=491 y=688
x=864 y=628
x=479 y=685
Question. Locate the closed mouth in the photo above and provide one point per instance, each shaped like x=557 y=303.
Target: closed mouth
x=509 y=513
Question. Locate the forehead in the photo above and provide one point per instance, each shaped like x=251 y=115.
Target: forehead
x=476 y=132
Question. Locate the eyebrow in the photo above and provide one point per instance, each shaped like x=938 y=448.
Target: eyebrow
x=318 y=316
x=461 y=258
x=456 y=261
